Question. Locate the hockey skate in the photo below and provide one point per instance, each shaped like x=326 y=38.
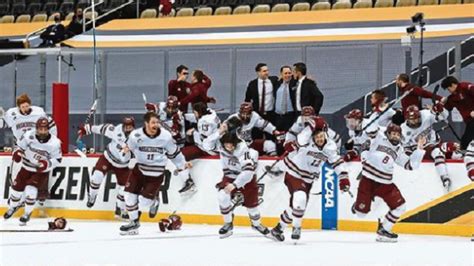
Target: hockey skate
x=261 y=229
x=189 y=188
x=91 y=200
x=226 y=230
x=277 y=233
x=10 y=212
x=446 y=182
x=154 y=208
x=385 y=236
x=25 y=219
x=131 y=228
x=296 y=234
x=121 y=214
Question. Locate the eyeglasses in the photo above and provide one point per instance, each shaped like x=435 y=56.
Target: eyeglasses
x=185 y=73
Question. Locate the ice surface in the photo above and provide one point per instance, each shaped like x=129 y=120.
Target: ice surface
x=99 y=243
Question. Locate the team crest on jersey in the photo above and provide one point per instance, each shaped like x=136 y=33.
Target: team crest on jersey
x=120 y=135
x=137 y=135
x=104 y=167
x=409 y=133
x=111 y=128
x=361 y=206
x=32 y=137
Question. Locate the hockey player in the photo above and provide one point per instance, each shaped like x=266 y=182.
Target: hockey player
x=40 y=152
x=377 y=174
x=21 y=119
x=420 y=123
x=307 y=113
x=377 y=101
x=239 y=164
x=469 y=160
x=251 y=120
x=152 y=147
x=114 y=159
x=207 y=123
x=172 y=118
x=358 y=140
x=313 y=148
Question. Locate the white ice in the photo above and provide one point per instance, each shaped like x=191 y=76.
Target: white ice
x=99 y=243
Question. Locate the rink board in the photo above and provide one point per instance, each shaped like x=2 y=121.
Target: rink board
x=430 y=209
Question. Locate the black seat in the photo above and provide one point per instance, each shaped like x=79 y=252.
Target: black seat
x=18 y=8
x=66 y=7
x=34 y=8
x=50 y=7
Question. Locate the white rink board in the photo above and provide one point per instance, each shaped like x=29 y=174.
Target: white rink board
x=68 y=187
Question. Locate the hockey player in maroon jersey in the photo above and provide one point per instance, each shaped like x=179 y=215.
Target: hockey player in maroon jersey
x=39 y=152
x=377 y=178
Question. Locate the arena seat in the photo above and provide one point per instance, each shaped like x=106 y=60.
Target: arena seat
x=342 y=4
x=39 y=18
x=383 y=3
x=148 y=13
x=363 y=4
x=25 y=18
x=323 y=5
x=281 y=8
x=185 y=12
x=7 y=19
x=300 y=7
x=261 y=9
x=223 y=10
x=244 y=9
x=204 y=11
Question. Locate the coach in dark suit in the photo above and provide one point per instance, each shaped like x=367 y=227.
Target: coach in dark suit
x=285 y=114
x=304 y=90
x=261 y=92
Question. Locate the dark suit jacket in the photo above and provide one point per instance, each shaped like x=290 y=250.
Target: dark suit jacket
x=292 y=92
x=310 y=94
x=251 y=95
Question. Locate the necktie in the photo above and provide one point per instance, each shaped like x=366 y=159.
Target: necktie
x=284 y=103
x=262 y=106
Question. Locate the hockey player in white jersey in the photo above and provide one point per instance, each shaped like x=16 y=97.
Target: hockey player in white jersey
x=385 y=151
x=23 y=117
x=152 y=148
x=239 y=163
x=114 y=159
x=307 y=113
x=469 y=160
x=420 y=123
x=313 y=148
x=207 y=122
x=251 y=120
x=359 y=139
x=39 y=152
x=172 y=118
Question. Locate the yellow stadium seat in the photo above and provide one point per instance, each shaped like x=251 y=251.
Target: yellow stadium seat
x=468 y=2
x=401 y=3
x=342 y=4
x=321 y=6
x=204 y=11
x=363 y=4
x=69 y=16
x=223 y=10
x=261 y=9
x=185 y=12
x=450 y=2
x=88 y=15
x=23 y=19
x=300 y=7
x=427 y=2
x=51 y=17
x=7 y=19
x=40 y=18
x=281 y=8
x=148 y=13
x=171 y=14
x=383 y=3
x=245 y=9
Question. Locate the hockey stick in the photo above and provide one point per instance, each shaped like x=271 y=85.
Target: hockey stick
x=433 y=100
x=389 y=106
x=162 y=123
x=35 y=230
x=271 y=166
x=79 y=143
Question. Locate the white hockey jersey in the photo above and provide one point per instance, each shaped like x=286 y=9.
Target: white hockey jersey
x=34 y=151
x=206 y=126
x=298 y=126
x=20 y=123
x=152 y=153
x=118 y=140
x=384 y=119
x=411 y=135
x=256 y=121
x=361 y=138
x=382 y=156
x=168 y=121
x=239 y=165
x=306 y=161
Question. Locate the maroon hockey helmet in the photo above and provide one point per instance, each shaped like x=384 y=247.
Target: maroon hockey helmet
x=318 y=124
x=172 y=103
x=128 y=121
x=42 y=122
x=354 y=114
x=412 y=112
x=307 y=111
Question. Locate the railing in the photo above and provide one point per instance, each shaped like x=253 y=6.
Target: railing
x=84 y=23
x=91 y=7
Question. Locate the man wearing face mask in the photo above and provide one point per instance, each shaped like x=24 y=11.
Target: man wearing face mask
x=75 y=26
x=114 y=159
x=53 y=33
x=39 y=152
